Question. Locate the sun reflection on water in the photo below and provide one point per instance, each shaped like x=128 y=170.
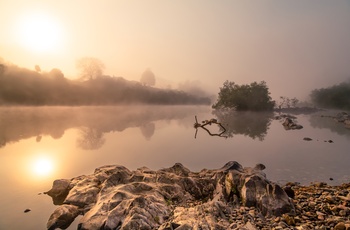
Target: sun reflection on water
x=42 y=166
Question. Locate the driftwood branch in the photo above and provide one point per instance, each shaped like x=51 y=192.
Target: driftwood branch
x=209 y=122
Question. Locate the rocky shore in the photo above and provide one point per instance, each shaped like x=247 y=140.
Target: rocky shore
x=342 y=117
x=232 y=197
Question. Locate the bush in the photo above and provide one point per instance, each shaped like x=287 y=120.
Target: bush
x=255 y=96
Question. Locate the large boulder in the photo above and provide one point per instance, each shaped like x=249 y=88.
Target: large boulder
x=171 y=198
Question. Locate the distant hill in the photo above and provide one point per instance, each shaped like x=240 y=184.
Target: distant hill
x=20 y=86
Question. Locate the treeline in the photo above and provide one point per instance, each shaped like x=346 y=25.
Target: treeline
x=20 y=86
x=336 y=97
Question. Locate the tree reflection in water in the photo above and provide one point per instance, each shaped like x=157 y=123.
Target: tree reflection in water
x=17 y=123
x=147 y=130
x=247 y=123
x=328 y=122
x=90 y=139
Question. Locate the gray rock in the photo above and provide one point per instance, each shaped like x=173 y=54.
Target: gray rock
x=171 y=198
x=290 y=124
x=59 y=191
x=342 y=117
x=62 y=217
x=307 y=139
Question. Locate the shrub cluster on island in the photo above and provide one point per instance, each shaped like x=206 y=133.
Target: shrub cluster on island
x=232 y=197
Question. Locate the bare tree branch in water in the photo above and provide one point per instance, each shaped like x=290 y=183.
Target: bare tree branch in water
x=209 y=122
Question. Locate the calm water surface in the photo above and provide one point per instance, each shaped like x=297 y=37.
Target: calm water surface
x=41 y=144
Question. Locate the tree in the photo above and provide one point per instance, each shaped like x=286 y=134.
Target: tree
x=255 y=96
x=90 y=67
x=148 y=78
x=2 y=68
x=37 y=68
x=287 y=102
x=294 y=101
x=56 y=74
x=337 y=96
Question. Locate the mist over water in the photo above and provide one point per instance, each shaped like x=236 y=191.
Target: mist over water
x=93 y=126
x=41 y=144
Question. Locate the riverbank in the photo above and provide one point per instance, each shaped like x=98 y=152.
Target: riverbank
x=232 y=197
x=317 y=206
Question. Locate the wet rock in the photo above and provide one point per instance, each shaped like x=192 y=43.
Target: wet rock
x=307 y=139
x=289 y=191
x=342 y=117
x=290 y=124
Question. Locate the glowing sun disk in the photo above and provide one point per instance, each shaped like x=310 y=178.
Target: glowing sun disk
x=39 y=32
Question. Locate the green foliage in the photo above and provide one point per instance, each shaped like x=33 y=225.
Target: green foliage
x=255 y=96
x=336 y=97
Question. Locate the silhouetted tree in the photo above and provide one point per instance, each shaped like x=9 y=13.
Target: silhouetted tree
x=255 y=96
x=337 y=96
x=90 y=68
x=294 y=101
x=2 y=68
x=56 y=74
x=287 y=102
x=148 y=78
x=20 y=86
x=37 y=68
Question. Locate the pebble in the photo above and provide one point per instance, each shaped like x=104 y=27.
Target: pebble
x=317 y=206
x=340 y=226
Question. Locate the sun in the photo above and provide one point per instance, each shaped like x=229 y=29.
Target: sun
x=39 y=32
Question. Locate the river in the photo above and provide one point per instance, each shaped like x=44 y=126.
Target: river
x=41 y=144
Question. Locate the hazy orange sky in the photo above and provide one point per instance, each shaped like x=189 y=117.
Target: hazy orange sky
x=295 y=45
